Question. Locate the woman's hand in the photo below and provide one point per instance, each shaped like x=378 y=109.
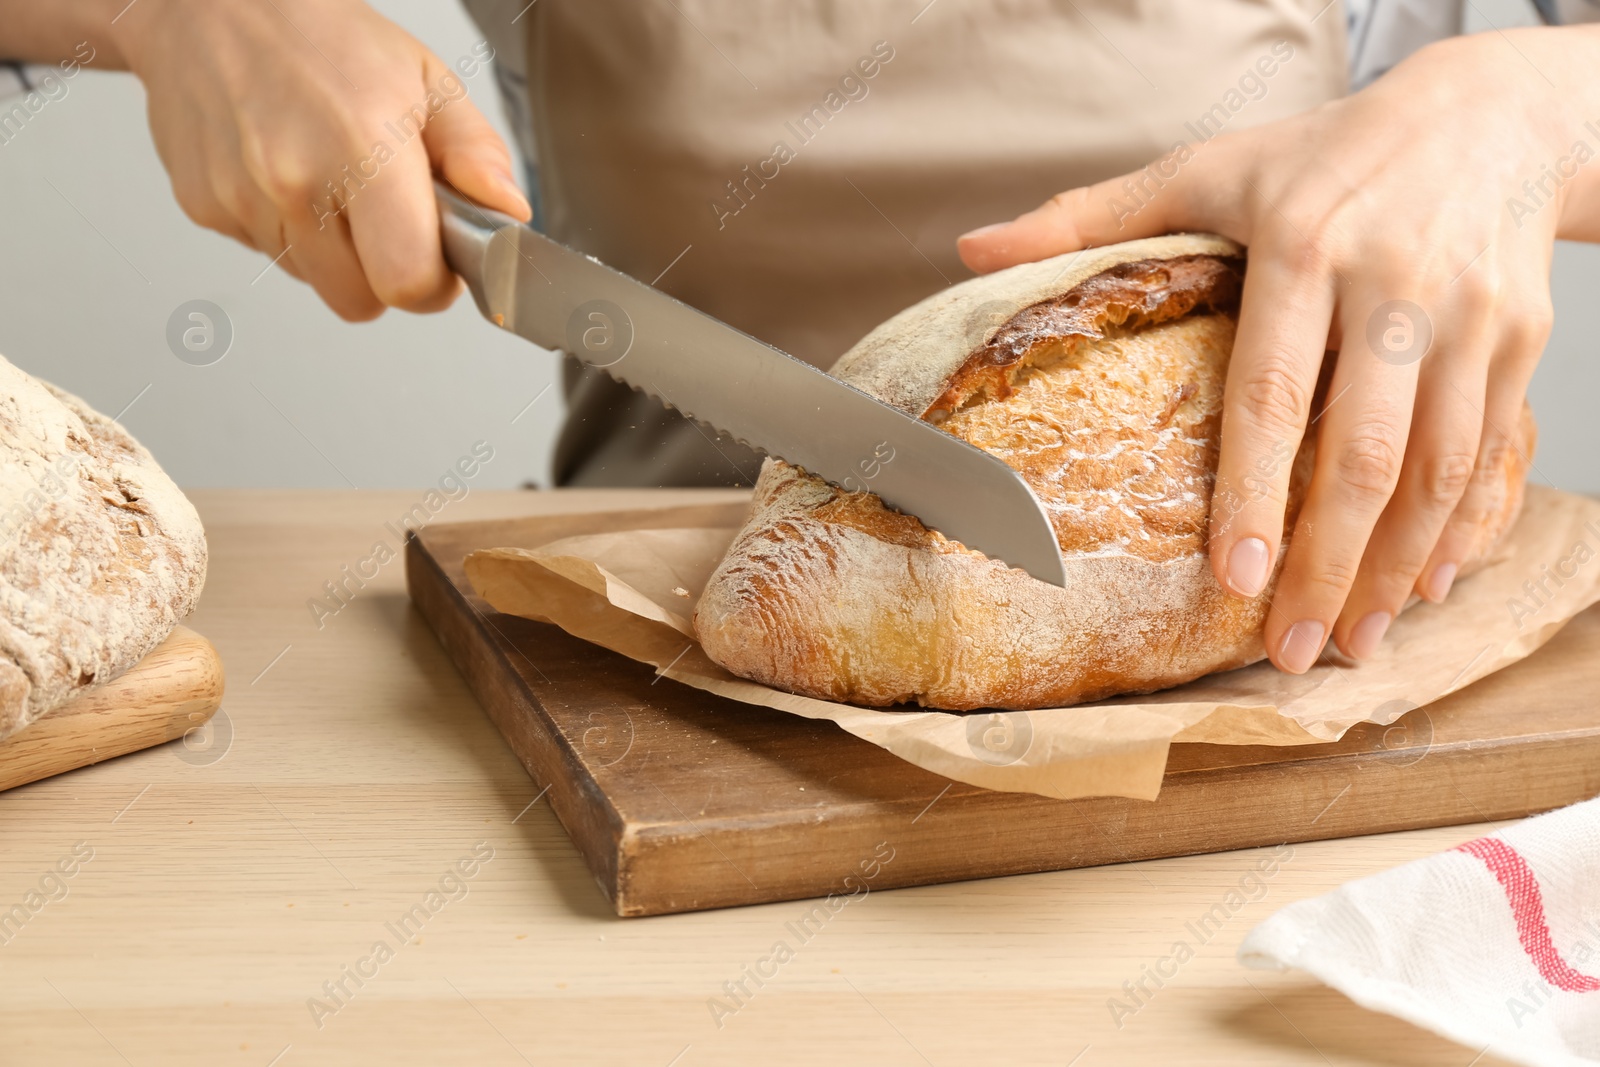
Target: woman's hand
x=1386 y=227
x=312 y=129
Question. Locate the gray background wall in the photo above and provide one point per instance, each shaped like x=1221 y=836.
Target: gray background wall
x=95 y=255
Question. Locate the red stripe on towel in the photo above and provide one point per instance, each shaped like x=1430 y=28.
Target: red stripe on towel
x=1527 y=907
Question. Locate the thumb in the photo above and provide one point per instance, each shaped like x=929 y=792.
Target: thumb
x=1142 y=203
x=470 y=156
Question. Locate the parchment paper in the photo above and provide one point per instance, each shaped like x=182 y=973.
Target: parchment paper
x=634 y=592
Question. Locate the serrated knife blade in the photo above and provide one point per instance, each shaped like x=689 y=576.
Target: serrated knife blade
x=563 y=300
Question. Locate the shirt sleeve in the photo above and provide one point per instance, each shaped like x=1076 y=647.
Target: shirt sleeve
x=1383 y=32
x=1567 y=12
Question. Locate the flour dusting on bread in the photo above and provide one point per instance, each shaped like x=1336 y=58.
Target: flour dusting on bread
x=100 y=553
x=1100 y=380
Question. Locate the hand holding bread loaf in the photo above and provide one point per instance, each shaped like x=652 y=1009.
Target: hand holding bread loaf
x=1396 y=227
x=1099 y=376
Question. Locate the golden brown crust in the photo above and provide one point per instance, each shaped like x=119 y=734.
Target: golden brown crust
x=1118 y=436
x=825 y=608
x=1129 y=297
x=908 y=361
x=1107 y=397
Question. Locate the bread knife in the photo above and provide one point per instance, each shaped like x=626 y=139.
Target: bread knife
x=563 y=300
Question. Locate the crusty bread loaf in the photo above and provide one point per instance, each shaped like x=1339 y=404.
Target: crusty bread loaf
x=1099 y=377
x=100 y=553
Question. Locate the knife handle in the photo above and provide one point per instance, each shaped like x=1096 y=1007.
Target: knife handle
x=469 y=234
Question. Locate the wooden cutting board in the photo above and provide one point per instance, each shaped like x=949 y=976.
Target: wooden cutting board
x=680 y=800
x=174 y=689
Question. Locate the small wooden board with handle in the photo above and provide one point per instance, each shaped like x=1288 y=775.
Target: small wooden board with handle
x=680 y=800
x=173 y=690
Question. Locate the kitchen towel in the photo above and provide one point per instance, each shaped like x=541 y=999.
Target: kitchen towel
x=1495 y=943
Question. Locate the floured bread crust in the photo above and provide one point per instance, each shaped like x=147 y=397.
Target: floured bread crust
x=1101 y=381
x=910 y=360
x=100 y=553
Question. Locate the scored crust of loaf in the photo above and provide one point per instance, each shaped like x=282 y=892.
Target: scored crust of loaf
x=909 y=360
x=100 y=553
x=1099 y=377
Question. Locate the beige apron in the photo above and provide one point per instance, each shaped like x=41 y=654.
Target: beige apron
x=802 y=169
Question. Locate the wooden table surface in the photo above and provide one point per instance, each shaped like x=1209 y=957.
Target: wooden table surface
x=231 y=890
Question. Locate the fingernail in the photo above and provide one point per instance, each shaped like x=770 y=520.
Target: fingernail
x=1365 y=635
x=1301 y=646
x=1439 y=582
x=1247 y=566
x=983 y=230
x=514 y=193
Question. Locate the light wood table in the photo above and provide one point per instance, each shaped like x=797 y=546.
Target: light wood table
x=223 y=893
